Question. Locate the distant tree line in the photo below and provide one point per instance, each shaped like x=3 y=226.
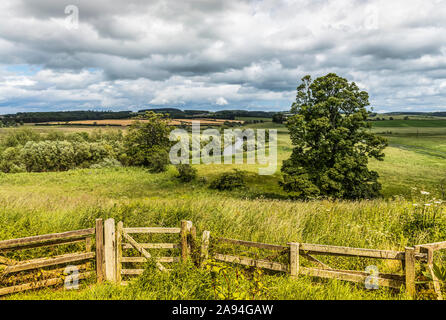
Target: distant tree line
x=223 y=114
x=35 y=117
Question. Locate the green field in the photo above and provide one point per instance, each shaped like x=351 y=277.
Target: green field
x=39 y=203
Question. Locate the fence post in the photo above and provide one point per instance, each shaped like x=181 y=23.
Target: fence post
x=294 y=259
x=185 y=229
x=110 y=249
x=119 y=251
x=204 y=246
x=430 y=267
x=100 y=250
x=410 y=271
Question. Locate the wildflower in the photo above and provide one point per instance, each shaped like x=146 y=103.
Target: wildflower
x=427 y=204
x=425 y=192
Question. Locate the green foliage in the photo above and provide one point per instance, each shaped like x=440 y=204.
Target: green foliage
x=279 y=118
x=157 y=159
x=147 y=143
x=332 y=142
x=63 y=155
x=20 y=137
x=217 y=281
x=186 y=173
x=229 y=180
x=27 y=150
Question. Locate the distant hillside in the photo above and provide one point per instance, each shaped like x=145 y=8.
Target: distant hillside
x=430 y=114
x=174 y=113
x=35 y=117
x=223 y=114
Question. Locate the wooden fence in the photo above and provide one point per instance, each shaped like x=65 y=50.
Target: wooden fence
x=125 y=241
x=119 y=253
x=22 y=274
x=294 y=251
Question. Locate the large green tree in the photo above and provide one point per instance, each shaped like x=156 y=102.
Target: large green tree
x=332 y=142
x=147 y=142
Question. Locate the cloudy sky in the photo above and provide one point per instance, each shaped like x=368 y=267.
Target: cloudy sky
x=203 y=54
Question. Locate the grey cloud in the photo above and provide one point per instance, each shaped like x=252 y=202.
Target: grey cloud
x=194 y=53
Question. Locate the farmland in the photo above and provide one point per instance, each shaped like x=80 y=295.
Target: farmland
x=38 y=203
x=128 y=122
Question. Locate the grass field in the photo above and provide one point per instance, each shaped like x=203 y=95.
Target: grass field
x=39 y=203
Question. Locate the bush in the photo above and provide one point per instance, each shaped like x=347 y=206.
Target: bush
x=57 y=156
x=20 y=137
x=11 y=161
x=157 y=159
x=229 y=180
x=186 y=173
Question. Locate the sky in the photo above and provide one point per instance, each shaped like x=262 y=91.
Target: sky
x=213 y=55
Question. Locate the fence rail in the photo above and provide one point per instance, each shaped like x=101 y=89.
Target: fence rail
x=307 y=250
x=112 y=243
x=125 y=241
x=19 y=271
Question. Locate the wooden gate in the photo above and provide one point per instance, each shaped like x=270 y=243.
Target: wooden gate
x=48 y=269
x=164 y=245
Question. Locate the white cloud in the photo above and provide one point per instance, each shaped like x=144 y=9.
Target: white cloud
x=231 y=54
x=221 y=101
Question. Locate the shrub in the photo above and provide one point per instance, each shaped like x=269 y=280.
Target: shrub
x=48 y=156
x=229 y=180
x=20 y=137
x=157 y=159
x=186 y=173
x=11 y=161
x=64 y=155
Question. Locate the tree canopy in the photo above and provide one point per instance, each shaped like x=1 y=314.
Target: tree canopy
x=147 y=143
x=332 y=142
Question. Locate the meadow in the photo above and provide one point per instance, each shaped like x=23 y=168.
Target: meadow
x=39 y=203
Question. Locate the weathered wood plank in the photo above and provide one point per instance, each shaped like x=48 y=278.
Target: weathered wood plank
x=430 y=267
x=347 y=251
x=184 y=231
x=347 y=275
x=294 y=259
x=153 y=246
x=204 y=254
x=410 y=271
x=131 y=272
x=17 y=278
x=252 y=262
x=119 y=251
x=143 y=259
x=192 y=239
x=100 y=256
x=434 y=245
x=46 y=262
x=39 y=284
x=152 y=230
x=110 y=249
x=141 y=250
x=254 y=244
x=44 y=240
